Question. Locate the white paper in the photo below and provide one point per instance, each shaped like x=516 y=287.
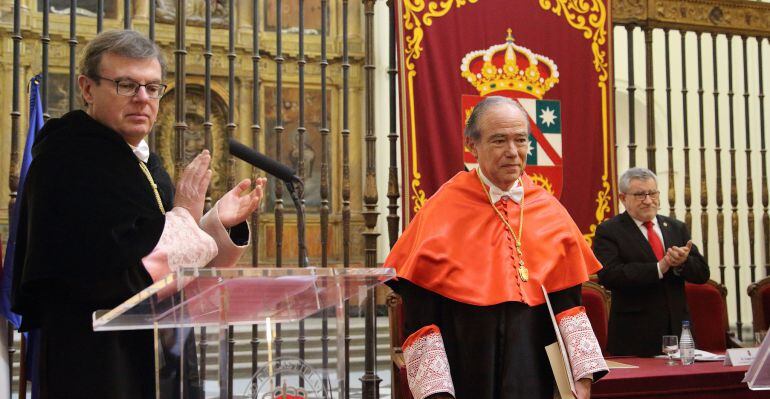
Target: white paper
x=700 y=356
x=562 y=348
x=740 y=356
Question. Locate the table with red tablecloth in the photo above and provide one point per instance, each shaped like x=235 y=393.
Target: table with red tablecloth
x=654 y=379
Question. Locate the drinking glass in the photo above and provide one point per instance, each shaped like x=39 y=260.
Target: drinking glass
x=670 y=346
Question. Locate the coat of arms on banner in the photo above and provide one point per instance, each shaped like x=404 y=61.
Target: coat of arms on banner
x=514 y=71
x=512 y=49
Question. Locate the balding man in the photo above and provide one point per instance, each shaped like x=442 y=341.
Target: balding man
x=470 y=269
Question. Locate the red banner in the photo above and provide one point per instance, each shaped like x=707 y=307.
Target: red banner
x=552 y=56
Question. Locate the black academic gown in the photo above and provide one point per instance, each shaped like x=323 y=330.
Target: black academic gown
x=494 y=352
x=88 y=217
x=169 y=338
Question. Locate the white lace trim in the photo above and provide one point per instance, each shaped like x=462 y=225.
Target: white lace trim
x=427 y=367
x=583 y=349
x=184 y=243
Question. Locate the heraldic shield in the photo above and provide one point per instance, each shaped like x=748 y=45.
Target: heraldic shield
x=516 y=72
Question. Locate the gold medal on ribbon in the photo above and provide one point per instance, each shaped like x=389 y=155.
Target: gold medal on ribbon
x=523 y=273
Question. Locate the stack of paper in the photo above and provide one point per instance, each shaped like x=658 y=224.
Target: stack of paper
x=700 y=356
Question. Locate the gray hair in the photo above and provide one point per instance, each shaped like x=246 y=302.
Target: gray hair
x=473 y=126
x=125 y=43
x=635 y=173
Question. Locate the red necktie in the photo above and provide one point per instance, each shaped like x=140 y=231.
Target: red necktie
x=652 y=237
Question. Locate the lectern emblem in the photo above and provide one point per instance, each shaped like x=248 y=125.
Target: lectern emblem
x=287 y=378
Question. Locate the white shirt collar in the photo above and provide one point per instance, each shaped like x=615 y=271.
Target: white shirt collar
x=640 y=224
x=142 y=151
x=515 y=193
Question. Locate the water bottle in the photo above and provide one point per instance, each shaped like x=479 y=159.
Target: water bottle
x=686 y=344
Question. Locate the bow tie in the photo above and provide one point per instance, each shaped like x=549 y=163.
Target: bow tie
x=515 y=193
x=142 y=151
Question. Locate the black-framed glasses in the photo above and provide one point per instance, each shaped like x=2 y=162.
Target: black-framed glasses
x=654 y=195
x=129 y=88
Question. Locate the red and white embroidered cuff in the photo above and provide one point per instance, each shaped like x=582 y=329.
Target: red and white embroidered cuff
x=583 y=349
x=427 y=367
x=182 y=244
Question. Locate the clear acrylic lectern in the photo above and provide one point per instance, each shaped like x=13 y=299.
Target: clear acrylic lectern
x=226 y=297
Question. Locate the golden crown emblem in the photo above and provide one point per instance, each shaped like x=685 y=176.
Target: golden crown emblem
x=509 y=67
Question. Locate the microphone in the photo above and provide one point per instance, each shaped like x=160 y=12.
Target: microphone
x=261 y=161
x=294 y=185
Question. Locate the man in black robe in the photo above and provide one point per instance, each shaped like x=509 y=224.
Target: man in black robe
x=472 y=266
x=100 y=222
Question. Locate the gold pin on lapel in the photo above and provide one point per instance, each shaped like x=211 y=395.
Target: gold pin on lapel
x=665 y=224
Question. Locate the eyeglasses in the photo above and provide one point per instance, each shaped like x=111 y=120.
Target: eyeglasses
x=654 y=195
x=129 y=88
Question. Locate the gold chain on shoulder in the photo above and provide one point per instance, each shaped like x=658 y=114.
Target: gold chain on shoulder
x=154 y=186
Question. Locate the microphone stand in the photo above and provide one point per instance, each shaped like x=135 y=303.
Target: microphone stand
x=293 y=192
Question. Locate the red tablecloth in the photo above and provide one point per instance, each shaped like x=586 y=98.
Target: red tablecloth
x=654 y=379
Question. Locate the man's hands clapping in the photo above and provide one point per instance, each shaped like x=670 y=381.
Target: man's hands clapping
x=235 y=208
x=675 y=257
x=192 y=185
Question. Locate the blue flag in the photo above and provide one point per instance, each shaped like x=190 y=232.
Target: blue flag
x=6 y=279
x=35 y=123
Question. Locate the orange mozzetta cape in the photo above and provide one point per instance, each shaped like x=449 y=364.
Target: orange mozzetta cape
x=458 y=247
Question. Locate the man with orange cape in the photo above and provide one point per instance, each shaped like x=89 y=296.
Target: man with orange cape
x=470 y=269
